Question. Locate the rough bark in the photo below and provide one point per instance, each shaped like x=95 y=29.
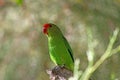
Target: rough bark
x=59 y=73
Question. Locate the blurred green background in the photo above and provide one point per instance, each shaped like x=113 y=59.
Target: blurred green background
x=23 y=46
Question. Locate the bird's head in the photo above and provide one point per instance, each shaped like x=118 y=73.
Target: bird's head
x=51 y=29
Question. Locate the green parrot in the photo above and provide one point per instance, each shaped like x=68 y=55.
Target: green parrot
x=59 y=48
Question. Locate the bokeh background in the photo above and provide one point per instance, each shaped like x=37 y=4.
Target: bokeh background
x=23 y=46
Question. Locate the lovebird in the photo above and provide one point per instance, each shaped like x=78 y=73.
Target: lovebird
x=59 y=49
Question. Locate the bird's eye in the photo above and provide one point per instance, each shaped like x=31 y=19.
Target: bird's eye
x=50 y=25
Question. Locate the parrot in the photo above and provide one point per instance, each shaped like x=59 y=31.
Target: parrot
x=59 y=49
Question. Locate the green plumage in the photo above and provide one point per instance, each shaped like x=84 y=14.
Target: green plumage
x=59 y=49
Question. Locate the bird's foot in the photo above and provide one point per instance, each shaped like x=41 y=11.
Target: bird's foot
x=62 y=66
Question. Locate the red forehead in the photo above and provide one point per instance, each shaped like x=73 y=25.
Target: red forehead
x=47 y=25
x=45 y=28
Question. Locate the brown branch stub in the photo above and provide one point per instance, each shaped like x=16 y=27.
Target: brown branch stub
x=59 y=73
